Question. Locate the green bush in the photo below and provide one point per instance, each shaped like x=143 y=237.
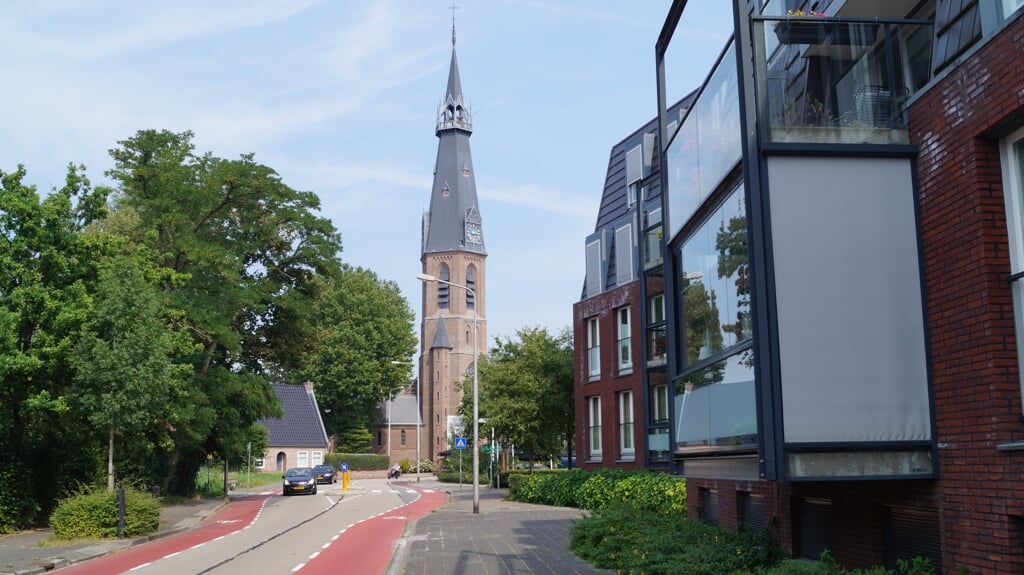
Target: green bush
x=93 y=514
x=359 y=461
x=666 y=543
x=16 y=510
x=643 y=490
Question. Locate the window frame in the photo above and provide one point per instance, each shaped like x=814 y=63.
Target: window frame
x=624 y=349
x=1011 y=151
x=627 y=435
x=595 y=449
x=594 y=348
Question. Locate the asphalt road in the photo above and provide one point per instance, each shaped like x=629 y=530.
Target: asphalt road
x=270 y=533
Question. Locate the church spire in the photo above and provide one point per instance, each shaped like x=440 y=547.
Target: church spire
x=453 y=222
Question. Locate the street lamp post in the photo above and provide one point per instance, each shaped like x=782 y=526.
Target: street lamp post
x=476 y=389
x=419 y=419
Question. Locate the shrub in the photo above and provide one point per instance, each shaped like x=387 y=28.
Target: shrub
x=93 y=514
x=667 y=543
x=359 y=461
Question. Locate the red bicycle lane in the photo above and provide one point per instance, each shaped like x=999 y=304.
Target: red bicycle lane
x=367 y=547
x=229 y=519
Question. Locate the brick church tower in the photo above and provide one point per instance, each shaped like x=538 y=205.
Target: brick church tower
x=452 y=251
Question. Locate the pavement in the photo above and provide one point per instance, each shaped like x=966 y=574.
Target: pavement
x=504 y=537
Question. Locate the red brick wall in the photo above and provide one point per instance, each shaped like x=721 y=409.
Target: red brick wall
x=956 y=126
x=603 y=307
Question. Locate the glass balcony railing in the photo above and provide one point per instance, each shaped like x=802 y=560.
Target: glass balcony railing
x=839 y=80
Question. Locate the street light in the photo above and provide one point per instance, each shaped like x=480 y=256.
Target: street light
x=419 y=419
x=476 y=389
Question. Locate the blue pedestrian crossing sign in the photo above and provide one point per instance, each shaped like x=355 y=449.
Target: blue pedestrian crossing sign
x=460 y=443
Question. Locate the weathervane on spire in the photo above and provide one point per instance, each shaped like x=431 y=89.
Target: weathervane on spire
x=453 y=9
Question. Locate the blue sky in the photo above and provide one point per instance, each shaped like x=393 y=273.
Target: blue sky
x=340 y=98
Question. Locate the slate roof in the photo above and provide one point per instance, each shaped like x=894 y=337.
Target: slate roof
x=403 y=410
x=453 y=197
x=301 y=425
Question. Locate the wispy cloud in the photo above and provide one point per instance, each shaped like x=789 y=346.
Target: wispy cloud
x=539 y=197
x=149 y=25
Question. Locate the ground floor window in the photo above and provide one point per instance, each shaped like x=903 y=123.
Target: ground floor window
x=812 y=527
x=911 y=532
x=594 y=415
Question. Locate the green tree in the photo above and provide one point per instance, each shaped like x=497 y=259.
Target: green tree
x=363 y=323
x=47 y=271
x=526 y=391
x=125 y=361
x=245 y=251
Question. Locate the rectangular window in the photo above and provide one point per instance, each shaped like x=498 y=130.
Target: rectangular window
x=659 y=404
x=595 y=267
x=657 y=334
x=260 y=463
x=626 y=445
x=594 y=415
x=302 y=459
x=624 y=240
x=1012 y=152
x=652 y=247
x=625 y=341
x=813 y=527
x=713 y=294
x=593 y=349
x=633 y=193
x=318 y=457
x=909 y=532
x=708 y=505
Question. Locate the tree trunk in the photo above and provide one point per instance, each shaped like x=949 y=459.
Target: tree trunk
x=110 y=461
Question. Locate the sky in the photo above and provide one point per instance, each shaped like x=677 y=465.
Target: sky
x=340 y=98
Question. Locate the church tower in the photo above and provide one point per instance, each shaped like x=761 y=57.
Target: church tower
x=453 y=251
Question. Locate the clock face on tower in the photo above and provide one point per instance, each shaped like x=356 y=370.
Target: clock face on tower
x=473 y=234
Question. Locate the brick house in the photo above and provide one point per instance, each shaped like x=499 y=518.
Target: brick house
x=298 y=438
x=842 y=207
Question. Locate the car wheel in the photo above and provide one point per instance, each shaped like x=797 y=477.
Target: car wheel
x=314 y=490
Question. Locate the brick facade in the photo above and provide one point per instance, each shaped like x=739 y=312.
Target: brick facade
x=611 y=381
x=979 y=499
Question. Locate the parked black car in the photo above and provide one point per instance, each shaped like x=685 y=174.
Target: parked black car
x=299 y=480
x=325 y=474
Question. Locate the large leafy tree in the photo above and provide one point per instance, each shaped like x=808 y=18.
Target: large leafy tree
x=363 y=324
x=125 y=362
x=47 y=271
x=526 y=391
x=245 y=250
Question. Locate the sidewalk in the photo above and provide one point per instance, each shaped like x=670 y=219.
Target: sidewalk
x=21 y=554
x=505 y=537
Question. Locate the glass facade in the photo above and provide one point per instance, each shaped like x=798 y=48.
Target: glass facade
x=707 y=146
x=713 y=281
x=831 y=81
x=716 y=406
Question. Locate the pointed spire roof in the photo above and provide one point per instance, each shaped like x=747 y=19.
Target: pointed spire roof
x=441 y=337
x=453 y=222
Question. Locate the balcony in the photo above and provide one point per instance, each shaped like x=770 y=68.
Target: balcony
x=839 y=80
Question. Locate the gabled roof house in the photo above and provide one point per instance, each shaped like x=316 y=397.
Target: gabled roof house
x=298 y=438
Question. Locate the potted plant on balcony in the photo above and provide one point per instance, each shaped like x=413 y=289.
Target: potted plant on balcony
x=801 y=28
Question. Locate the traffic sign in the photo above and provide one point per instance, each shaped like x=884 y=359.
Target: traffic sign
x=460 y=443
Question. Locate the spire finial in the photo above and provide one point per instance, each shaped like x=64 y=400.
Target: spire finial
x=453 y=9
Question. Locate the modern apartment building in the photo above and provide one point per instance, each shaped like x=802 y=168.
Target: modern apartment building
x=842 y=218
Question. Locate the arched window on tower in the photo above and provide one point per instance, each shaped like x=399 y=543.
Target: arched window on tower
x=442 y=288
x=471 y=284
